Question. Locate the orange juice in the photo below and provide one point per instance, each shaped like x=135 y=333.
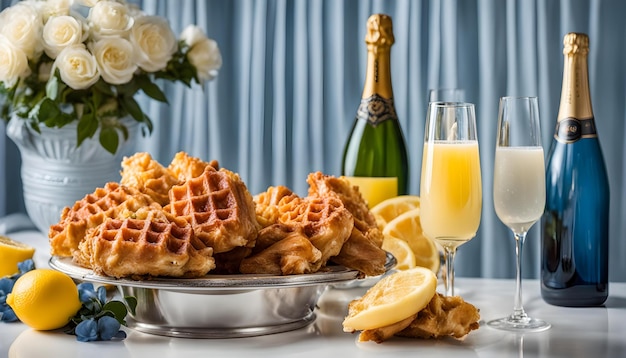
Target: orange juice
x=450 y=191
x=375 y=189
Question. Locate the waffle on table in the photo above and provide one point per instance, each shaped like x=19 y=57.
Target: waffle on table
x=191 y=218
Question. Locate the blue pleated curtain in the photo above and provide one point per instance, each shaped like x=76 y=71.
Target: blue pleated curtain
x=285 y=99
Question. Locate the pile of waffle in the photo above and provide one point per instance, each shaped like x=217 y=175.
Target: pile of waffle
x=192 y=218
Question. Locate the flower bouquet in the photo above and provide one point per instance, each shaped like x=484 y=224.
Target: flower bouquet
x=83 y=61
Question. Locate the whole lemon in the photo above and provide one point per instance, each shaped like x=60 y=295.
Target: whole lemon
x=44 y=299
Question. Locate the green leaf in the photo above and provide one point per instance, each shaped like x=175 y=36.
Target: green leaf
x=109 y=139
x=132 y=107
x=151 y=89
x=131 y=302
x=104 y=88
x=87 y=127
x=48 y=111
x=118 y=309
x=149 y=124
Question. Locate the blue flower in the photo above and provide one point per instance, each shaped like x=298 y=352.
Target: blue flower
x=108 y=327
x=86 y=292
x=87 y=330
x=102 y=294
x=97 y=320
x=6 y=312
x=6 y=286
x=26 y=265
x=104 y=328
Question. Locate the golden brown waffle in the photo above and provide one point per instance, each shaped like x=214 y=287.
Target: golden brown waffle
x=111 y=201
x=321 y=184
x=291 y=255
x=151 y=246
x=185 y=167
x=323 y=221
x=146 y=174
x=268 y=202
x=362 y=251
x=219 y=208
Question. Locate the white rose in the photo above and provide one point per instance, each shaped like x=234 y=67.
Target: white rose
x=110 y=18
x=205 y=56
x=192 y=34
x=154 y=41
x=51 y=8
x=60 y=32
x=115 y=60
x=77 y=67
x=13 y=63
x=21 y=24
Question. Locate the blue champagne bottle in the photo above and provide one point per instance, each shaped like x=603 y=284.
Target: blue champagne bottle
x=575 y=225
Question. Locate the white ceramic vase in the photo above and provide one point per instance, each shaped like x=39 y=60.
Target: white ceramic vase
x=55 y=173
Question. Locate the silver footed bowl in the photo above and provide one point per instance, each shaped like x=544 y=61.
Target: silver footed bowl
x=220 y=306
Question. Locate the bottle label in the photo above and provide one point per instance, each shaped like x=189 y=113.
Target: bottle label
x=570 y=130
x=376 y=109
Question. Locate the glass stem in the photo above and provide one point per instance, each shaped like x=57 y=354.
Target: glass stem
x=449 y=278
x=518 y=310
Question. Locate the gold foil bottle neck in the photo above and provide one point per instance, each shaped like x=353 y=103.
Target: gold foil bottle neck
x=379 y=39
x=575 y=43
x=379 y=31
x=575 y=95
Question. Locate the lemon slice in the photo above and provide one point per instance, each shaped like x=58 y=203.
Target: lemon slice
x=391 y=208
x=400 y=249
x=11 y=253
x=407 y=227
x=392 y=299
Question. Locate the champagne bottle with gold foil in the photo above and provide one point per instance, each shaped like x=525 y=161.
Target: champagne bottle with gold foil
x=575 y=225
x=375 y=156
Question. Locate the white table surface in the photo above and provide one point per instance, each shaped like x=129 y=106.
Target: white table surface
x=576 y=332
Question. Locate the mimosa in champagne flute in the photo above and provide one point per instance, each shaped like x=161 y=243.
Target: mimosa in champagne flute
x=450 y=188
x=519 y=189
x=445 y=94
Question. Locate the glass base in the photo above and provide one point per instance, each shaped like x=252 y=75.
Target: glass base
x=521 y=324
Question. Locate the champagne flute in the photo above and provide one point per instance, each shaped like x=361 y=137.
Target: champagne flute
x=450 y=188
x=519 y=190
x=445 y=95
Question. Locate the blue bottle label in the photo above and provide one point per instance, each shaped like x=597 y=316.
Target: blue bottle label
x=376 y=109
x=570 y=130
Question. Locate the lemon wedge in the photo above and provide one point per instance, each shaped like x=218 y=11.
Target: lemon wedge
x=11 y=253
x=407 y=227
x=400 y=249
x=391 y=208
x=394 y=298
